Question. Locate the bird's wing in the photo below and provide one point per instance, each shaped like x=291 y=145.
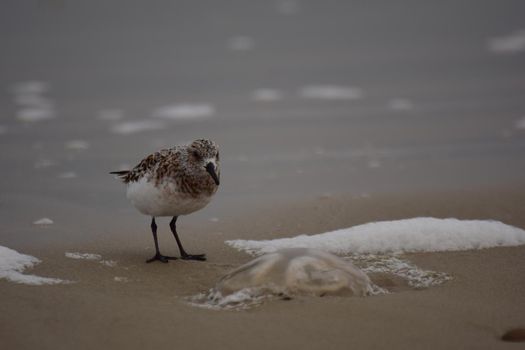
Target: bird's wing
x=146 y=165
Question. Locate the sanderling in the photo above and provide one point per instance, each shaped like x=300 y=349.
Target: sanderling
x=173 y=182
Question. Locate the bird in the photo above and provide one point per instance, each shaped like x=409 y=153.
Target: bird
x=173 y=182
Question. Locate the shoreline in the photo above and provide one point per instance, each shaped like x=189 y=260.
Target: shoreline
x=135 y=304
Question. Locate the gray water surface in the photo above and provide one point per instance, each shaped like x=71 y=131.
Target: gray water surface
x=438 y=108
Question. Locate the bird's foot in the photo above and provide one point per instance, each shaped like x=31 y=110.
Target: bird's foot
x=199 y=257
x=161 y=258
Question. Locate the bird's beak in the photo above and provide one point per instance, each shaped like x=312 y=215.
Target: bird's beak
x=210 y=168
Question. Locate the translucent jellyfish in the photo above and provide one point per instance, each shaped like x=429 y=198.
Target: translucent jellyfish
x=286 y=273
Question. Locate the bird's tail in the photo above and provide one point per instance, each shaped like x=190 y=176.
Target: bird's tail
x=121 y=173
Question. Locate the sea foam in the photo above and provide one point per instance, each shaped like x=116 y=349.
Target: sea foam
x=185 y=111
x=267 y=95
x=240 y=43
x=12 y=264
x=33 y=106
x=520 y=124
x=409 y=235
x=400 y=104
x=133 y=127
x=508 y=44
x=82 y=256
x=331 y=92
x=43 y=221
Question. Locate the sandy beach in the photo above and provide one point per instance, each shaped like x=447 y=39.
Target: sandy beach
x=327 y=114
x=147 y=306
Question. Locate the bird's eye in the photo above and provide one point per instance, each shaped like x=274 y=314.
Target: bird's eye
x=196 y=154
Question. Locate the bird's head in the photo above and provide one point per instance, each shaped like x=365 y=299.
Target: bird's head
x=206 y=154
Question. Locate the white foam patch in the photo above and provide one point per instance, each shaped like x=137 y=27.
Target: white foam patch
x=133 y=127
x=373 y=164
x=33 y=106
x=108 y=263
x=121 y=279
x=30 y=87
x=43 y=163
x=400 y=104
x=267 y=95
x=33 y=100
x=185 y=111
x=508 y=44
x=520 y=124
x=43 y=221
x=111 y=114
x=77 y=145
x=90 y=257
x=287 y=7
x=34 y=114
x=392 y=264
x=331 y=92
x=82 y=256
x=67 y=175
x=243 y=299
x=409 y=235
x=12 y=264
x=241 y=43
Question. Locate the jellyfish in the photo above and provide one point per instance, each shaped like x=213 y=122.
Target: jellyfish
x=285 y=274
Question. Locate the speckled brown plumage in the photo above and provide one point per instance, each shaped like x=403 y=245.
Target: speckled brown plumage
x=180 y=165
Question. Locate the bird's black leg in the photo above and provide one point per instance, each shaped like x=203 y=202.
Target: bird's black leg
x=157 y=256
x=183 y=253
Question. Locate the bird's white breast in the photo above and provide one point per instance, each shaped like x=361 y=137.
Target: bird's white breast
x=163 y=199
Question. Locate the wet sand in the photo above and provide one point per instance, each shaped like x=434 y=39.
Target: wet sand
x=296 y=165
x=483 y=300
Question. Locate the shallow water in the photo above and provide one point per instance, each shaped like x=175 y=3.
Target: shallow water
x=371 y=99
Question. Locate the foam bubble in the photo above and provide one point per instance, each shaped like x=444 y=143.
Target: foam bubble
x=287 y=7
x=508 y=44
x=331 y=92
x=34 y=114
x=373 y=164
x=76 y=145
x=126 y=128
x=43 y=221
x=267 y=95
x=241 y=43
x=400 y=104
x=416 y=277
x=121 y=279
x=33 y=106
x=33 y=100
x=82 y=256
x=30 y=87
x=185 y=111
x=43 y=163
x=520 y=124
x=67 y=175
x=108 y=263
